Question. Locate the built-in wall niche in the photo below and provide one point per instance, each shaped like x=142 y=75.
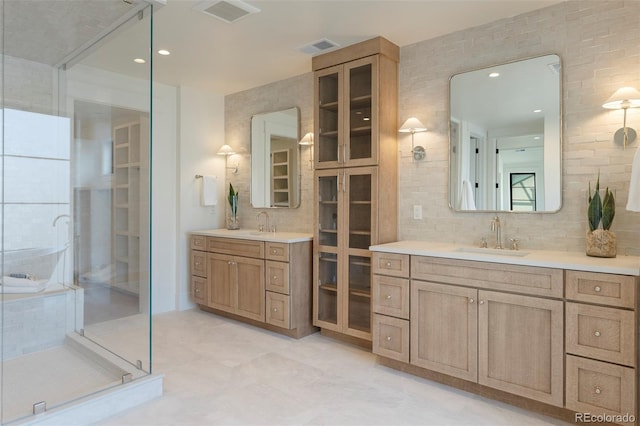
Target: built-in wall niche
x=505 y=122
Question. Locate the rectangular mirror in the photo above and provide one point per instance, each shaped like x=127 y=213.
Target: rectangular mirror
x=275 y=159
x=505 y=137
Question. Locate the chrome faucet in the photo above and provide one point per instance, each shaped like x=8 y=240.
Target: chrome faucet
x=266 y=220
x=495 y=226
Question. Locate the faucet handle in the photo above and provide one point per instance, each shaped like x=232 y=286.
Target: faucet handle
x=514 y=243
x=483 y=242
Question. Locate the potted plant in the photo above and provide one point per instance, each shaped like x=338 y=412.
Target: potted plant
x=601 y=241
x=233 y=204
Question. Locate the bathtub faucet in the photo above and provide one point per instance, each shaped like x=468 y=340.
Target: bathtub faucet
x=60 y=216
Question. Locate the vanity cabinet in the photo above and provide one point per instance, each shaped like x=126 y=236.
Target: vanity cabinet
x=355 y=179
x=511 y=342
x=264 y=282
x=563 y=339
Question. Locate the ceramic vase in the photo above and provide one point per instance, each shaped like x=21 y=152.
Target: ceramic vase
x=601 y=243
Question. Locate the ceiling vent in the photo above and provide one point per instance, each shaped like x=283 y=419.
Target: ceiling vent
x=319 y=46
x=227 y=10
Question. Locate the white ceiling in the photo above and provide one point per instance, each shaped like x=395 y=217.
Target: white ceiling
x=209 y=54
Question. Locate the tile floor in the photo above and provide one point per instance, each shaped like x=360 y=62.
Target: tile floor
x=222 y=372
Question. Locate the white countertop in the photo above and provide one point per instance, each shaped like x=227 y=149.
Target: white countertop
x=625 y=265
x=252 y=234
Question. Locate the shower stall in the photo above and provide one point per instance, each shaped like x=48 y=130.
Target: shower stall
x=75 y=294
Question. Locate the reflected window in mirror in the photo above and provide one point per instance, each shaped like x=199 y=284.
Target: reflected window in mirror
x=505 y=122
x=275 y=159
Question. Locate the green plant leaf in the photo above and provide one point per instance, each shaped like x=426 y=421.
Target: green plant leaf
x=608 y=209
x=594 y=212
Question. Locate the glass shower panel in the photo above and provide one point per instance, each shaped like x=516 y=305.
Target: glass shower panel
x=60 y=112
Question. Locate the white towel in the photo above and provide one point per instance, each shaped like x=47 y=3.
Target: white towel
x=466 y=197
x=209 y=191
x=633 y=204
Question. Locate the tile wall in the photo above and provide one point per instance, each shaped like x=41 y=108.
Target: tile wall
x=599 y=45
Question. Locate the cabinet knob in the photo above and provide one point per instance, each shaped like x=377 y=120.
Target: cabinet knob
x=388 y=296
x=197 y=290
x=388 y=264
x=275 y=277
x=275 y=309
x=471 y=300
x=197 y=263
x=597 y=390
x=274 y=251
x=597 y=334
x=481 y=302
x=388 y=338
x=229 y=263
x=597 y=289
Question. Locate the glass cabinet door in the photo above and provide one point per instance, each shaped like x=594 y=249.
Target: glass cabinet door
x=328 y=117
x=361 y=118
x=359 y=299
x=327 y=290
x=328 y=187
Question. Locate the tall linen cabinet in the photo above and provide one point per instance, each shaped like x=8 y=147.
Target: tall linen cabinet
x=355 y=123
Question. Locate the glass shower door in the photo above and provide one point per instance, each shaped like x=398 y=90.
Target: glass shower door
x=58 y=214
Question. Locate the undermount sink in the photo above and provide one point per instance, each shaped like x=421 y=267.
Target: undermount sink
x=492 y=251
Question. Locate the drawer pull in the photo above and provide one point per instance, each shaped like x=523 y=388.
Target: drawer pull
x=197 y=263
x=597 y=334
x=471 y=300
x=388 y=264
x=481 y=302
x=197 y=290
x=275 y=277
x=388 y=297
x=388 y=338
x=274 y=251
x=597 y=289
x=275 y=309
x=597 y=390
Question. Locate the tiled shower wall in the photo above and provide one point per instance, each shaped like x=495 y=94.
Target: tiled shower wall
x=599 y=45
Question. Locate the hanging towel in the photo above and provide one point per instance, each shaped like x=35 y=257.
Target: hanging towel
x=209 y=191
x=633 y=204
x=466 y=196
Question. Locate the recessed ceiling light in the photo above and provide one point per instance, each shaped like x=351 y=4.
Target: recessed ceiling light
x=537 y=110
x=164 y=52
x=139 y=61
x=494 y=74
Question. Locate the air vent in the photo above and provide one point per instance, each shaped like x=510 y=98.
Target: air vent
x=226 y=10
x=319 y=46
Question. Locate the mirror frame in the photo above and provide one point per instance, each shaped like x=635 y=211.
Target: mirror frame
x=298 y=169
x=560 y=138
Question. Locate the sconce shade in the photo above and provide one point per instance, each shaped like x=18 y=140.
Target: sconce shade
x=307 y=139
x=625 y=97
x=226 y=150
x=412 y=125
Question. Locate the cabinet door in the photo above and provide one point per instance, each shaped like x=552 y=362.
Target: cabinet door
x=360 y=186
x=250 y=287
x=326 y=312
x=361 y=113
x=221 y=288
x=444 y=335
x=329 y=192
x=520 y=345
x=328 y=121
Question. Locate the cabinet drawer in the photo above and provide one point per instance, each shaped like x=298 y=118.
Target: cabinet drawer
x=494 y=276
x=605 y=289
x=606 y=334
x=278 y=277
x=391 y=264
x=236 y=247
x=198 y=242
x=391 y=337
x=277 y=251
x=278 y=310
x=599 y=388
x=199 y=290
x=391 y=296
x=199 y=263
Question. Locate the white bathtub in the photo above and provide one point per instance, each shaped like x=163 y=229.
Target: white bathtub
x=39 y=263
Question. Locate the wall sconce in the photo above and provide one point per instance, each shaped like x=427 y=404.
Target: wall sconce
x=624 y=98
x=307 y=140
x=413 y=126
x=226 y=150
